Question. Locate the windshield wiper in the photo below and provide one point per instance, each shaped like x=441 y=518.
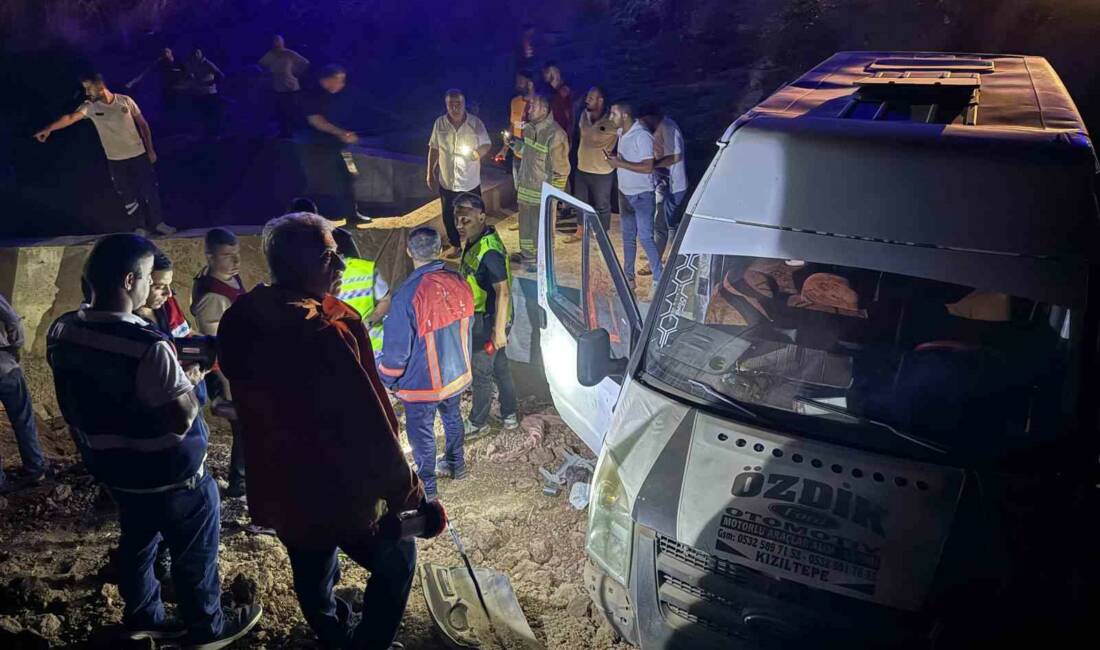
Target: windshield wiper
x=729 y=401
x=833 y=408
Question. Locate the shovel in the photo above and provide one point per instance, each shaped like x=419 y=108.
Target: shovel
x=475 y=608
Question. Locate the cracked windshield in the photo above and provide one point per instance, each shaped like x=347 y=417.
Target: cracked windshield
x=829 y=347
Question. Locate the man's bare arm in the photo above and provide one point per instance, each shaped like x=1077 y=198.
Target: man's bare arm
x=381 y=308
x=323 y=125
x=62 y=122
x=500 y=319
x=433 y=160
x=668 y=161
x=178 y=415
x=146 y=135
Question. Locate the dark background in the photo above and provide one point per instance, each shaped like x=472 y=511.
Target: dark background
x=705 y=61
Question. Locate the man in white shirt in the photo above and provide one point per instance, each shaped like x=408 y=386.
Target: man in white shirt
x=285 y=66
x=128 y=144
x=458 y=142
x=671 y=170
x=637 y=199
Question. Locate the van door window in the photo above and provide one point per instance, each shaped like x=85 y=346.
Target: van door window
x=604 y=305
x=564 y=291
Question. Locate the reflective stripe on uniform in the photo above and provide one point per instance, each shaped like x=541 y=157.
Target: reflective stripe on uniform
x=97 y=341
x=357 y=289
x=107 y=442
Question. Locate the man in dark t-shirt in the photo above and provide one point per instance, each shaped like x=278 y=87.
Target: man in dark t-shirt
x=486 y=269
x=329 y=167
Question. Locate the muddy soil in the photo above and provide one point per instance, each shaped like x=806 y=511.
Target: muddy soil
x=54 y=542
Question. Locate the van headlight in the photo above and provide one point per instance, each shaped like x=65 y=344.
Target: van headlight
x=610 y=528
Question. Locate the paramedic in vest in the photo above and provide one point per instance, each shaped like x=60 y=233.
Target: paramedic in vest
x=139 y=427
x=217 y=287
x=323 y=450
x=485 y=267
x=362 y=287
x=458 y=142
x=545 y=158
x=426 y=356
x=128 y=143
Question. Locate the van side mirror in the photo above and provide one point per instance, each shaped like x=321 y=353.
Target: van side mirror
x=593 y=357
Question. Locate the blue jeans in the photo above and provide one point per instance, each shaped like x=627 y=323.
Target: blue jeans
x=17 y=402
x=668 y=217
x=392 y=565
x=188 y=520
x=420 y=427
x=637 y=217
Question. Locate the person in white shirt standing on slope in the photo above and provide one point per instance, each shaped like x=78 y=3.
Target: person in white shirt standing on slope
x=128 y=144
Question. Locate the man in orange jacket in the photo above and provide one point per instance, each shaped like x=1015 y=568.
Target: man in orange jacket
x=325 y=465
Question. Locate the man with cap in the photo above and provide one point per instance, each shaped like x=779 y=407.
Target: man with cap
x=486 y=269
x=137 y=421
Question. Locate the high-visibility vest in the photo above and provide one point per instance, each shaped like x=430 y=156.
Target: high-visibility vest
x=357 y=289
x=471 y=262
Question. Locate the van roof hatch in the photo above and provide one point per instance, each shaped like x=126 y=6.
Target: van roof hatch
x=934 y=96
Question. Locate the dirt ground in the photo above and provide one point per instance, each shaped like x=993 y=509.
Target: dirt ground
x=54 y=541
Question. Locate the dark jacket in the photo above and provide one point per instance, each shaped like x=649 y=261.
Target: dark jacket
x=324 y=462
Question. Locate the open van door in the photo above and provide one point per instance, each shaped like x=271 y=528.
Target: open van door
x=589 y=320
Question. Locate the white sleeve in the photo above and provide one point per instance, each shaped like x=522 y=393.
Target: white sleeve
x=84 y=108
x=645 y=147
x=160 y=378
x=434 y=140
x=678 y=142
x=134 y=110
x=381 y=289
x=482 y=134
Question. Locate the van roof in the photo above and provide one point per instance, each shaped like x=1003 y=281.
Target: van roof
x=968 y=151
x=1013 y=91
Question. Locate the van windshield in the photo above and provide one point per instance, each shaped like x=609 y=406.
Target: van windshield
x=826 y=348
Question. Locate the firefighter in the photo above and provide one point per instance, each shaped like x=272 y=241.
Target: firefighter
x=545 y=152
x=426 y=359
x=137 y=421
x=485 y=267
x=362 y=287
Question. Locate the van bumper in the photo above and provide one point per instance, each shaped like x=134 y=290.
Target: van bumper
x=675 y=601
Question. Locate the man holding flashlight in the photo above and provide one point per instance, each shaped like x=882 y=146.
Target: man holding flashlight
x=458 y=142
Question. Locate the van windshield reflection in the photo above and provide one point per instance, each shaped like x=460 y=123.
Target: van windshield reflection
x=942 y=366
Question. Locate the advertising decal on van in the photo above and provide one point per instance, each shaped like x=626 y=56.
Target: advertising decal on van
x=824 y=516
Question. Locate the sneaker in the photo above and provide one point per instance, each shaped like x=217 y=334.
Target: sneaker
x=518 y=258
x=141 y=232
x=20 y=479
x=474 y=431
x=164 y=229
x=571 y=239
x=444 y=469
x=511 y=422
x=169 y=629
x=238 y=622
x=337 y=223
